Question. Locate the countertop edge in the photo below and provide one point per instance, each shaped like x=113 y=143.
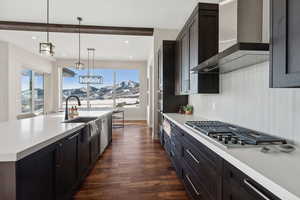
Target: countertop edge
x=14 y=157
x=37 y=147
x=252 y=173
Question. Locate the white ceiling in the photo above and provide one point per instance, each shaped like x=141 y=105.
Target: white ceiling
x=168 y=14
x=133 y=13
x=108 y=47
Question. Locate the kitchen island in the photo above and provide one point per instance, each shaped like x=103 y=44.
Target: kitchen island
x=45 y=158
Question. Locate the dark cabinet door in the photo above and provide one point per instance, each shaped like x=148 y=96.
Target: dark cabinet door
x=285 y=44
x=83 y=153
x=66 y=173
x=109 y=129
x=185 y=63
x=178 y=68
x=237 y=185
x=35 y=175
x=194 y=48
x=95 y=148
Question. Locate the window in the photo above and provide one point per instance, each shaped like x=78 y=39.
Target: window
x=38 y=92
x=120 y=88
x=26 y=94
x=32 y=92
x=128 y=88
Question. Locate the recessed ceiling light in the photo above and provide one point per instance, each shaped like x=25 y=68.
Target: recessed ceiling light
x=126 y=42
x=130 y=57
x=34 y=37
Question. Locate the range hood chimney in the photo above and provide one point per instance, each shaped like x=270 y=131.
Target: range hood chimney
x=241 y=37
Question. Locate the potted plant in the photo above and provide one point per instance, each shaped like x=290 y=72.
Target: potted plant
x=188 y=109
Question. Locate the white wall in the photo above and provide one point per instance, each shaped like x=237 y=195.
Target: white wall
x=138 y=113
x=247 y=100
x=13 y=60
x=3 y=81
x=21 y=59
x=158 y=36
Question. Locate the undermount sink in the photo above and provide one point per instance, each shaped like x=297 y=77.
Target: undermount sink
x=81 y=120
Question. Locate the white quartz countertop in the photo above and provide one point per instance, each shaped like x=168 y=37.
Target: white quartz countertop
x=20 y=138
x=277 y=172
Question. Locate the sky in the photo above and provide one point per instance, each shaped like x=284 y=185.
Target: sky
x=121 y=75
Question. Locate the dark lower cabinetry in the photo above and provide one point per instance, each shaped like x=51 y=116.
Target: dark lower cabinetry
x=95 y=148
x=83 y=154
x=35 y=177
x=237 y=185
x=66 y=167
x=206 y=175
x=56 y=171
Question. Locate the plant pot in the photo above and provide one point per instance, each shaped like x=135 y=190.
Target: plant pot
x=188 y=112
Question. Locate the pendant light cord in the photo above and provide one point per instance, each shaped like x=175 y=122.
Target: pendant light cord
x=79 y=31
x=93 y=61
x=88 y=63
x=48 y=21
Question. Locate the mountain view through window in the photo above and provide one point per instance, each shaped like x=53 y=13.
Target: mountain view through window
x=120 y=87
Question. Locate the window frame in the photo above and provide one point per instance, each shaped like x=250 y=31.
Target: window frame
x=32 y=107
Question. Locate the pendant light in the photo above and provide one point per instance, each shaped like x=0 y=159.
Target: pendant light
x=47 y=48
x=91 y=78
x=79 y=65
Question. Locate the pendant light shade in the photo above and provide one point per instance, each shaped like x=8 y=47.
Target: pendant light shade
x=79 y=65
x=91 y=78
x=47 y=48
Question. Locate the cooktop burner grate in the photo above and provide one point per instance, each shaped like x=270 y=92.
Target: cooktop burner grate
x=231 y=135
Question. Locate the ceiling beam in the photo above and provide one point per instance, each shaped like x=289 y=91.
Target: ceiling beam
x=71 y=28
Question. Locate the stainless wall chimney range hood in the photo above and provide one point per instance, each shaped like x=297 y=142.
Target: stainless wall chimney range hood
x=241 y=28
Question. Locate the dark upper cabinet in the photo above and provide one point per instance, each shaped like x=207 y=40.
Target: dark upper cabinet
x=185 y=62
x=285 y=44
x=167 y=100
x=197 y=42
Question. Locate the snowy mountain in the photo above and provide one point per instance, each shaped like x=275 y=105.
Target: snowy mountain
x=124 y=89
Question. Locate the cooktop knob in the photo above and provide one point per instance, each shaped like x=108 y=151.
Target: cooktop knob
x=220 y=137
x=234 y=141
x=225 y=140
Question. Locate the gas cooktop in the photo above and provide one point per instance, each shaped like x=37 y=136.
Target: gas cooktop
x=233 y=136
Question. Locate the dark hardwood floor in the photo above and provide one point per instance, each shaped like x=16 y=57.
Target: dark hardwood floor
x=134 y=167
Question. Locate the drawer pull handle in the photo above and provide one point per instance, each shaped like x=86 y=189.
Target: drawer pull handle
x=191 y=183
x=74 y=136
x=194 y=158
x=246 y=181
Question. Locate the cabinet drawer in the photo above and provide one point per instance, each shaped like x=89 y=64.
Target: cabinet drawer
x=167 y=144
x=237 y=185
x=193 y=185
x=203 y=169
x=176 y=147
x=176 y=163
x=212 y=158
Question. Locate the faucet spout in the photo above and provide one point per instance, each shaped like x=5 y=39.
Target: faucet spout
x=67 y=100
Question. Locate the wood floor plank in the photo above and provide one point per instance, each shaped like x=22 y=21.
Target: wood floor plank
x=134 y=167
